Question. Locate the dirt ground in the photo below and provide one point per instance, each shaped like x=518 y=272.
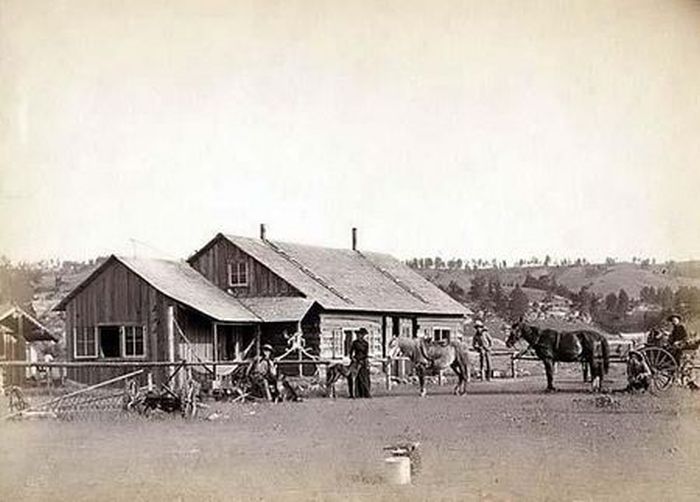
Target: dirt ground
x=505 y=440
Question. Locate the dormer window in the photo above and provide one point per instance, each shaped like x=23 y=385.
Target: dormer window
x=238 y=274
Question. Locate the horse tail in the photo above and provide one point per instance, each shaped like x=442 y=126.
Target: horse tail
x=606 y=355
x=462 y=358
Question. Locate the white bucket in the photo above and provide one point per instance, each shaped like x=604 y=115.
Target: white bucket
x=397 y=470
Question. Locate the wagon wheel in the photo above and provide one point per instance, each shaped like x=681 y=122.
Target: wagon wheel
x=663 y=367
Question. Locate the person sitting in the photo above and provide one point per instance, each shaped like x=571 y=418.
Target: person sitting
x=678 y=338
x=638 y=372
x=262 y=372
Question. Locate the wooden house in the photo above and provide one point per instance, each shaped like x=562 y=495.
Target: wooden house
x=347 y=289
x=236 y=293
x=19 y=332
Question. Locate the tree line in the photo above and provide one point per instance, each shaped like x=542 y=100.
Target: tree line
x=438 y=263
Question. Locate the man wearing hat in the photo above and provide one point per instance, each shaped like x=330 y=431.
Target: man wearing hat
x=263 y=372
x=359 y=354
x=679 y=335
x=482 y=343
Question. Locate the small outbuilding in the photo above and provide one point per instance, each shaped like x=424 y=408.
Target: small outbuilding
x=20 y=331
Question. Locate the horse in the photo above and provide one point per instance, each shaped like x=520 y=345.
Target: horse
x=579 y=345
x=430 y=358
x=337 y=370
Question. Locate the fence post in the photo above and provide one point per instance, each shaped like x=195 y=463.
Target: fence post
x=387 y=373
x=513 y=366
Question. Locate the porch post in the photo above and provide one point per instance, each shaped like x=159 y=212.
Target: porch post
x=299 y=354
x=170 y=327
x=258 y=335
x=216 y=342
x=215 y=352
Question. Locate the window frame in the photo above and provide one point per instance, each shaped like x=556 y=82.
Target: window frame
x=238 y=275
x=122 y=332
x=85 y=329
x=442 y=330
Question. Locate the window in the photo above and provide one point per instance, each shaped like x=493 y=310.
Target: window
x=134 y=344
x=337 y=344
x=348 y=338
x=441 y=334
x=84 y=342
x=238 y=274
x=109 y=338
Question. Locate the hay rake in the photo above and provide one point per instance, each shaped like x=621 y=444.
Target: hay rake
x=86 y=402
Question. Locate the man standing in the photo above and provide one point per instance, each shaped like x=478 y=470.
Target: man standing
x=359 y=354
x=263 y=372
x=482 y=343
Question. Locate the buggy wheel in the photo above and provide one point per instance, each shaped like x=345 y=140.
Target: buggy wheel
x=663 y=367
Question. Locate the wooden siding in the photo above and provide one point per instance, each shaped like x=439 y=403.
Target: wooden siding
x=213 y=264
x=199 y=331
x=117 y=296
x=426 y=325
x=332 y=338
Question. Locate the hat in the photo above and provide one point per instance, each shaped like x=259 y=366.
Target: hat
x=362 y=331
x=267 y=346
x=670 y=318
x=478 y=324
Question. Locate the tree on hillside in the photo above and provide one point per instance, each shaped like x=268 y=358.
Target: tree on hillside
x=455 y=291
x=547 y=260
x=478 y=290
x=518 y=303
x=623 y=302
x=611 y=302
x=428 y=262
x=666 y=299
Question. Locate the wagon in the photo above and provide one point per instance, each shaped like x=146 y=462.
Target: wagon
x=667 y=368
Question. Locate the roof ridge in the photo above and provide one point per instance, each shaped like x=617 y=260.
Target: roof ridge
x=320 y=280
x=392 y=277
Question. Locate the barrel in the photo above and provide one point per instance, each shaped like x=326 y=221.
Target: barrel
x=397 y=470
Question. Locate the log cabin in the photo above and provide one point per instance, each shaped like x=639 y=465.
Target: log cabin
x=238 y=292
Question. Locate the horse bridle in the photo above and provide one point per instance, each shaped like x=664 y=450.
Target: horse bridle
x=530 y=344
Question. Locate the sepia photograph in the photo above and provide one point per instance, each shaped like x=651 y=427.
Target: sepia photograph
x=370 y=250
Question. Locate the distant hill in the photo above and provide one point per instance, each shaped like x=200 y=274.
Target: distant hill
x=601 y=279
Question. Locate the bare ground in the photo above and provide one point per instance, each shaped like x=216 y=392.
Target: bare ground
x=505 y=440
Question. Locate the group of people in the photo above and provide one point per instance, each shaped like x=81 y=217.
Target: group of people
x=264 y=377
x=263 y=374
x=676 y=341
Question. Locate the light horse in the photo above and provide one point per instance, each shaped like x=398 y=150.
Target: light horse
x=579 y=345
x=430 y=358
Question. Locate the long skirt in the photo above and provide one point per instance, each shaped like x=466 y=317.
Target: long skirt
x=360 y=385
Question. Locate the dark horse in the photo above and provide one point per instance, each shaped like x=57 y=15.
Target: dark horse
x=579 y=345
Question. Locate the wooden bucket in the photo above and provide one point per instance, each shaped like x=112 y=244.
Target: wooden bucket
x=397 y=470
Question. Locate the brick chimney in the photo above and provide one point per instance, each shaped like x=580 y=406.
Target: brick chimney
x=263 y=231
x=354 y=239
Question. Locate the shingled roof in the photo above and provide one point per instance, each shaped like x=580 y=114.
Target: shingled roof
x=34 y=331
x=346 y=279
x=182 y=283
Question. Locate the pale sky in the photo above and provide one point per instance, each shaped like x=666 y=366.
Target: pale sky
x=473 y=129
